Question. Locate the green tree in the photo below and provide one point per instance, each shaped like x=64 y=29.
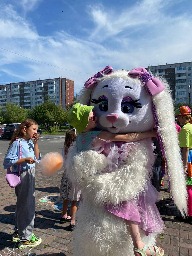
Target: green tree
x=49 y=115
x=13 y=113
x=1 y=115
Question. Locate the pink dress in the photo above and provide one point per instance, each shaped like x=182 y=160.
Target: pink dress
x=141 y=209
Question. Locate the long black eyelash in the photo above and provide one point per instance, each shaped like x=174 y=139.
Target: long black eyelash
x=136 y=103
x=96 y=101
x=128 y=87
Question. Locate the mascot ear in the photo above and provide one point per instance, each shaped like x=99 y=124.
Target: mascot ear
x=152 y=84
x=92 y=81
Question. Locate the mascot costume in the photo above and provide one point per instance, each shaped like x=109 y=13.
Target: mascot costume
x=124 y=101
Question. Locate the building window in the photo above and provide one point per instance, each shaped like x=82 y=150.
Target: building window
x=181 y=68
x=181 y=81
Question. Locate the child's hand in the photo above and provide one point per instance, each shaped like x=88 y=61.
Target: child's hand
x=91 y=121
x=186 y=170
x=35 y=137
x=29 y=160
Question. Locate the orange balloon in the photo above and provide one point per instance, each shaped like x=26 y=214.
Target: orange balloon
x=51 y=163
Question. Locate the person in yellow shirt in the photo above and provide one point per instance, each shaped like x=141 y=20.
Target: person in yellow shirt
x=185 y=134
x=185 y=141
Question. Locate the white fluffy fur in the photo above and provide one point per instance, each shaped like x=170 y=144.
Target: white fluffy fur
x=167 y=130
x=122 y=184
x=84 y=166
x=99 y=232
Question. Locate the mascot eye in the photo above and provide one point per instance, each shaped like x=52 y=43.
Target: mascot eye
x=103 y=106
x=127 y=107
x=102 y=103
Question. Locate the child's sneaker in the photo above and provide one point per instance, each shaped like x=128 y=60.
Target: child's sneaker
x=15 y=237
x=33 y=242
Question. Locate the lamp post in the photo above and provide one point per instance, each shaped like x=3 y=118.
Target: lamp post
x=189 y=91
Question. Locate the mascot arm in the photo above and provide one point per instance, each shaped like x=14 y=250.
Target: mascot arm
x=128 y=180
x=81 y=167
x=120 y=185
x=88 y=169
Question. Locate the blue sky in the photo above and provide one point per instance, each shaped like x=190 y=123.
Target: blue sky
x=77 y=38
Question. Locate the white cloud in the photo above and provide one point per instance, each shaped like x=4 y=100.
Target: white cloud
x=29 y=5
x=13 y=26
x=110 y=22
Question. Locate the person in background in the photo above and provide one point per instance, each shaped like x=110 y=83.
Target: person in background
x=178 y=127
x=185 y=142
x=185 y=134
x=177 y=124
x=69 y=193
x=21 y=156
x=158 y=167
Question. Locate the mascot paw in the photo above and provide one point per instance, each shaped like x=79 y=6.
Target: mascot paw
x=89 y=163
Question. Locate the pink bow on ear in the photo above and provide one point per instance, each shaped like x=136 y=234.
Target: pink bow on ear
x=92 y=81
x=153 y=85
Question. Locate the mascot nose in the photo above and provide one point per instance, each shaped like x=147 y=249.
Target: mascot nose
x=112 y=118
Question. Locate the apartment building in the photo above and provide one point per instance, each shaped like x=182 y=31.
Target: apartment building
x=179 y=77
x=32 y=93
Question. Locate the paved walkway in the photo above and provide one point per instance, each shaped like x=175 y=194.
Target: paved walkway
x=176 y=240
x=56 y=240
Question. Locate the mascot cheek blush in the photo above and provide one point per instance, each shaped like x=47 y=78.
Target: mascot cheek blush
x=115 y=183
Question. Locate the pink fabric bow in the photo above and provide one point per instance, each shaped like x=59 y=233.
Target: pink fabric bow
x=92 y=81
x=153 y=85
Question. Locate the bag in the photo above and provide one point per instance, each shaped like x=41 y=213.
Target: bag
x=13 y=178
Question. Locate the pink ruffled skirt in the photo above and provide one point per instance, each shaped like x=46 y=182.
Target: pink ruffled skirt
x=142 y=210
